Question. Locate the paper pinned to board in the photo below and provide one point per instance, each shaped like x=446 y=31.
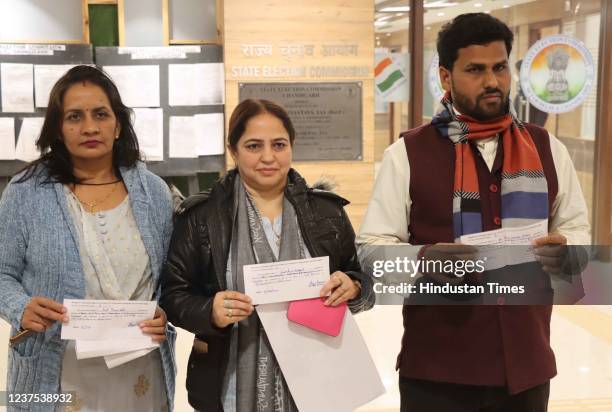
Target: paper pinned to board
x=196 y=84
x=149 y=128
x=26 y=149
x=137 y=84
x=209 y=129
x=45 y=77
x=17 y=87
x=339 y=370
x=182 y=138
x=7 y=138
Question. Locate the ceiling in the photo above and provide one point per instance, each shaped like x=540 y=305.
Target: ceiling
x=392 y=15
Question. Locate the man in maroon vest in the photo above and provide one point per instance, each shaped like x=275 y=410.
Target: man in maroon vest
x=474 y=168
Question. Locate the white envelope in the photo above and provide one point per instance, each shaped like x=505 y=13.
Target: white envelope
x=324 y=373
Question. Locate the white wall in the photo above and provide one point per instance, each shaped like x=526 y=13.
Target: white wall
x=40 y=20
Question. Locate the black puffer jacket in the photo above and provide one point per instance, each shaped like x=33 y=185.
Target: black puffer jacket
x=197 y=260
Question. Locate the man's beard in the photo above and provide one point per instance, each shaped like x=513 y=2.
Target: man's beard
x=475 y=111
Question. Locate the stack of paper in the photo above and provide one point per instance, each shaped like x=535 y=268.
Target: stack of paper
x=109 y=328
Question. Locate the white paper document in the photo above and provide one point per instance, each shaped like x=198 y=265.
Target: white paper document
x=115 y=351
x=113 y=361
x=7 y=138
x=182 y=138
x=138 y=84
x=106 y=319
x=324 y=373
x=45 y=77
x=286 y=281
x=196 y=84
x=17 y=87
x=149 y=128
x=93 y=348
x=506 y=246
x=26 y=149
x=198 y=135
x=209 y=133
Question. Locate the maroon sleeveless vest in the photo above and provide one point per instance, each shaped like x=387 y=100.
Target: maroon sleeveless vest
x=471 y=345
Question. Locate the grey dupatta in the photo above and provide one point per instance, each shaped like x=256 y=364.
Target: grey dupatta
x=260 y=385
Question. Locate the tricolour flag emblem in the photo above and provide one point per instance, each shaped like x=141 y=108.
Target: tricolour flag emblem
x=388 y=75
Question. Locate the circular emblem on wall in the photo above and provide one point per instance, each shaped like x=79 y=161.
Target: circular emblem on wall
x=557 y=74
x=433 y=76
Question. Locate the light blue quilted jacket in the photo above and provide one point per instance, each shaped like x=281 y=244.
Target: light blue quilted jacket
x=39 y=256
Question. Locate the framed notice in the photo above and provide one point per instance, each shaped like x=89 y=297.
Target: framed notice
x=326 y=116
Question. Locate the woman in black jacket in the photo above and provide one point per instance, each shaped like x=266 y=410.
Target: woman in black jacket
x=261 y=211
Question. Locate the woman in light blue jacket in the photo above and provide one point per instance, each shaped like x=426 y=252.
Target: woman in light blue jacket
x=84 y=221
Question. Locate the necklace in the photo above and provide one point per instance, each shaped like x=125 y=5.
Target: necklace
x=98 y=184
x=96 y=202
x=278 y=235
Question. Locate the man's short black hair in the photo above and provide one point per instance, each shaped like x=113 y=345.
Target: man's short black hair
x=468 y=29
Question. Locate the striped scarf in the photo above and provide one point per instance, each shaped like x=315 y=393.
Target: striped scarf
x=524 y=191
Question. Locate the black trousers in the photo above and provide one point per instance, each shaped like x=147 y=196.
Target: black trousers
x=428 y=396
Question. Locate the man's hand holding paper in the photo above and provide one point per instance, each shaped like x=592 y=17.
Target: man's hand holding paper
x=551 y=252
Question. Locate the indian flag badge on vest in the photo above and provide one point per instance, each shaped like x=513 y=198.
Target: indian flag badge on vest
x=390 y=76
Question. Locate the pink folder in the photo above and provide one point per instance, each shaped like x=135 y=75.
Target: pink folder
x=313 y=314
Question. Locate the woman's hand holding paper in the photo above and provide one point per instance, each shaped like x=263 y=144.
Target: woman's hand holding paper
x=340 y=288
x=230 y=307
x=156 y=327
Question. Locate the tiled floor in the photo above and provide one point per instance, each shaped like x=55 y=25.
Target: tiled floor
x=585 y=405
x=581 y=338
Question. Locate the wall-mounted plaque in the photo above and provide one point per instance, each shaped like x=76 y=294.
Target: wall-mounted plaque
x=326 y=116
